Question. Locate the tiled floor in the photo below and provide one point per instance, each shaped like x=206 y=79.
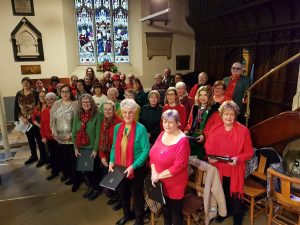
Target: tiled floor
x=27 y=198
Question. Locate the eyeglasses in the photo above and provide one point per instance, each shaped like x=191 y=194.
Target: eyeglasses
x=236 y=68
x=65 y=92
x=170 y=94
x=86 y=102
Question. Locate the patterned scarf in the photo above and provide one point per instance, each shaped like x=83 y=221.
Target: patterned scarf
x=81 y=137
x=105 y=143
x=198 y=118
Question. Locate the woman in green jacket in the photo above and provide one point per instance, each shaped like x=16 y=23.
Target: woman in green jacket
x=85 y=136
x=130 y=149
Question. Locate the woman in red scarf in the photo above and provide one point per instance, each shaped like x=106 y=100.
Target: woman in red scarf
x=110 y=120
x=85 y=136
x=231 y=139
x=130 y=149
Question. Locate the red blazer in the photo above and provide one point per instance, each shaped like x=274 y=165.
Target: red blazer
x=110 y=135
x=45 y=124
x=36 y=115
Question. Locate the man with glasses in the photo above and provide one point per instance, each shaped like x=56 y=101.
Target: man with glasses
x=236 y=87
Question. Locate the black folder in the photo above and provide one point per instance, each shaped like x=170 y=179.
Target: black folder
x=113 y=179
x=85 y=162
x=155 y=193
x=223 y=159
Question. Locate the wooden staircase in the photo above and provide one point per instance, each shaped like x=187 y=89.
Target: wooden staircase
x=277 y=131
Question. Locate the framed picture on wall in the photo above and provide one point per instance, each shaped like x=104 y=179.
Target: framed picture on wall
x=22 y=7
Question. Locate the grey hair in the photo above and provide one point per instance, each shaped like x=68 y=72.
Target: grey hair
x=110 y=102
x=205 y=74
x=94 y=108
x=229 y=105
x=171 y=114
x=50 y=95
x=181 y=84
x=112 y=89
x=158 y=75
x=129 y=103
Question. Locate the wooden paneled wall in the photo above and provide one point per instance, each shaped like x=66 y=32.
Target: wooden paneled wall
x=268 y=29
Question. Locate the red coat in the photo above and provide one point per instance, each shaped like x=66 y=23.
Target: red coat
x=117 y=120
x=36 y=115
x=73 y=89
x=193 y=92
x=234 y=143
x=45 y=124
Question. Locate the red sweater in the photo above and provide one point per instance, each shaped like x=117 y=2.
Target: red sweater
x=174 y=158
x=110 y=135
x=73 y=89
x=234 y=143
x=45 y=124
x=181 y=110
x=193 y=92
x=36 y=115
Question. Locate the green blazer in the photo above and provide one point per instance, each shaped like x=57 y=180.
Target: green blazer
x=92 y=130
x=141 y=145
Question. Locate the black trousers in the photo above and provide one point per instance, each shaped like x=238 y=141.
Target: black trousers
x=172 y=212
x=34 y=138
x=54 y=156
x=235 y=206
x=136 y=187
x=68 y=160
x=94 y=177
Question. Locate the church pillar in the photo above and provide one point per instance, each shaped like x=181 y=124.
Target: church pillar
x=4 y=132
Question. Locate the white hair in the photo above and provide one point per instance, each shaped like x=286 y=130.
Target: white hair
x=50 y=95
x=180 y=84
x=129 y=104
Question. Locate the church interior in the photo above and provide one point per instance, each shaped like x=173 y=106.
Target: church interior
x=192 y=36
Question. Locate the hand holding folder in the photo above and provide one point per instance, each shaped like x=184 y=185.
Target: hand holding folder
x=113 y=178
x=155 y=192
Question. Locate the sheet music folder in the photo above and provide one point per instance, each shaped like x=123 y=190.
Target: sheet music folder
x=221 y=158
x=155 y=193
x=113 y=179
x=85 y=162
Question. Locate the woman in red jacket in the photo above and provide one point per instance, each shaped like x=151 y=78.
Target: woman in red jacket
x=169 y=164
x=110 y=120
x=47 y=137
x=172 y=102
x=231 y=139
x=36 y=120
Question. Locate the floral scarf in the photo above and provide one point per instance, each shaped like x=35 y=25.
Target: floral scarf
x=198 y=118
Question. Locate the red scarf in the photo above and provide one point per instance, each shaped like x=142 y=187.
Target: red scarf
x=81 y=137
x=129 y=148
x=237 y=177
x=229 y=92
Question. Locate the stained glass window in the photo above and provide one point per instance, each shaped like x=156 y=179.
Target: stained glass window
x=102 y=30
